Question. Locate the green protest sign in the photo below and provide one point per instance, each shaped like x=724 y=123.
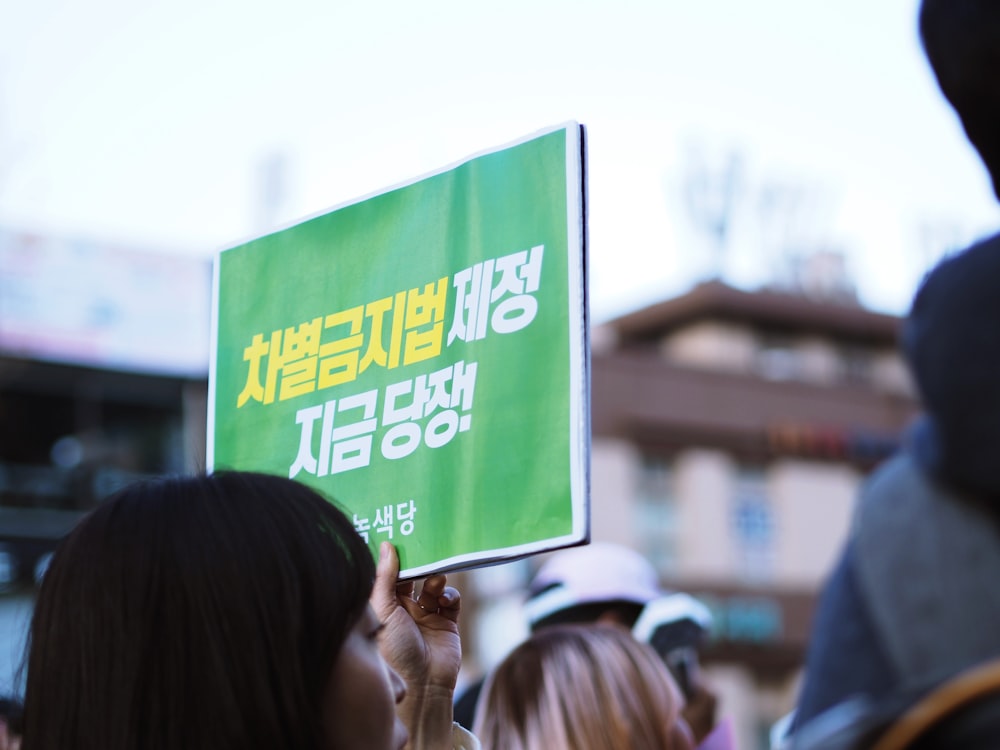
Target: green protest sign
x=420 y=356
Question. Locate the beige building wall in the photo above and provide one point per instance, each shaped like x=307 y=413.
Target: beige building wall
x=751 y=708
x=813 y=503
x=615 y=468
x=712 y=345
x=818 y=361
x=736 y=692
x=703 y=486
x=890 y=374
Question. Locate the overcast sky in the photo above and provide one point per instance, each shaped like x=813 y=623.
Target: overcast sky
x=150 y=123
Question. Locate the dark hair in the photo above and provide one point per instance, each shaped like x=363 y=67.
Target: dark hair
x=12 y=711
x=962 y=42
x=624 y=612
x=202 y=612
x=953 y=348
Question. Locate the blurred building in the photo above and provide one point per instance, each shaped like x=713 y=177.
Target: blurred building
x=731 y=432
x=103 y=379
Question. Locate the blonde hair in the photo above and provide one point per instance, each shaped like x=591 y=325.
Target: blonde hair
x=581 y=687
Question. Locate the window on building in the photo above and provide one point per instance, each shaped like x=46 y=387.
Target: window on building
x=857 y=362
x=777 y=358
x=656 y=520
x=752 y=525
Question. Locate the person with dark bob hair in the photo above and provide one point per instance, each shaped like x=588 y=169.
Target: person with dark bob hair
x=232 y=611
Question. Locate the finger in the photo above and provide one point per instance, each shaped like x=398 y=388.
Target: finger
x=432 y=588
x=383 y=598
x=404 y=589
x=450 y=603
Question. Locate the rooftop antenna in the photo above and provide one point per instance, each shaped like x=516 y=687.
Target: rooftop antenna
x=711 y=192
x=779 y=210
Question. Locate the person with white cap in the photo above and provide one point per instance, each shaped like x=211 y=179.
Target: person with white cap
x=609 y=583
x=599 y=582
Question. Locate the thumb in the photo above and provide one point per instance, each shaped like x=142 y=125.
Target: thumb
x=383 y=598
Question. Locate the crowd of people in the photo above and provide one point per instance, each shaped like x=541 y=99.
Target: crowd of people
x=240 y=610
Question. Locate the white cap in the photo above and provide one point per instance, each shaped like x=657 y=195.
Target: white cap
x=598 y=572
x=672 y=608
